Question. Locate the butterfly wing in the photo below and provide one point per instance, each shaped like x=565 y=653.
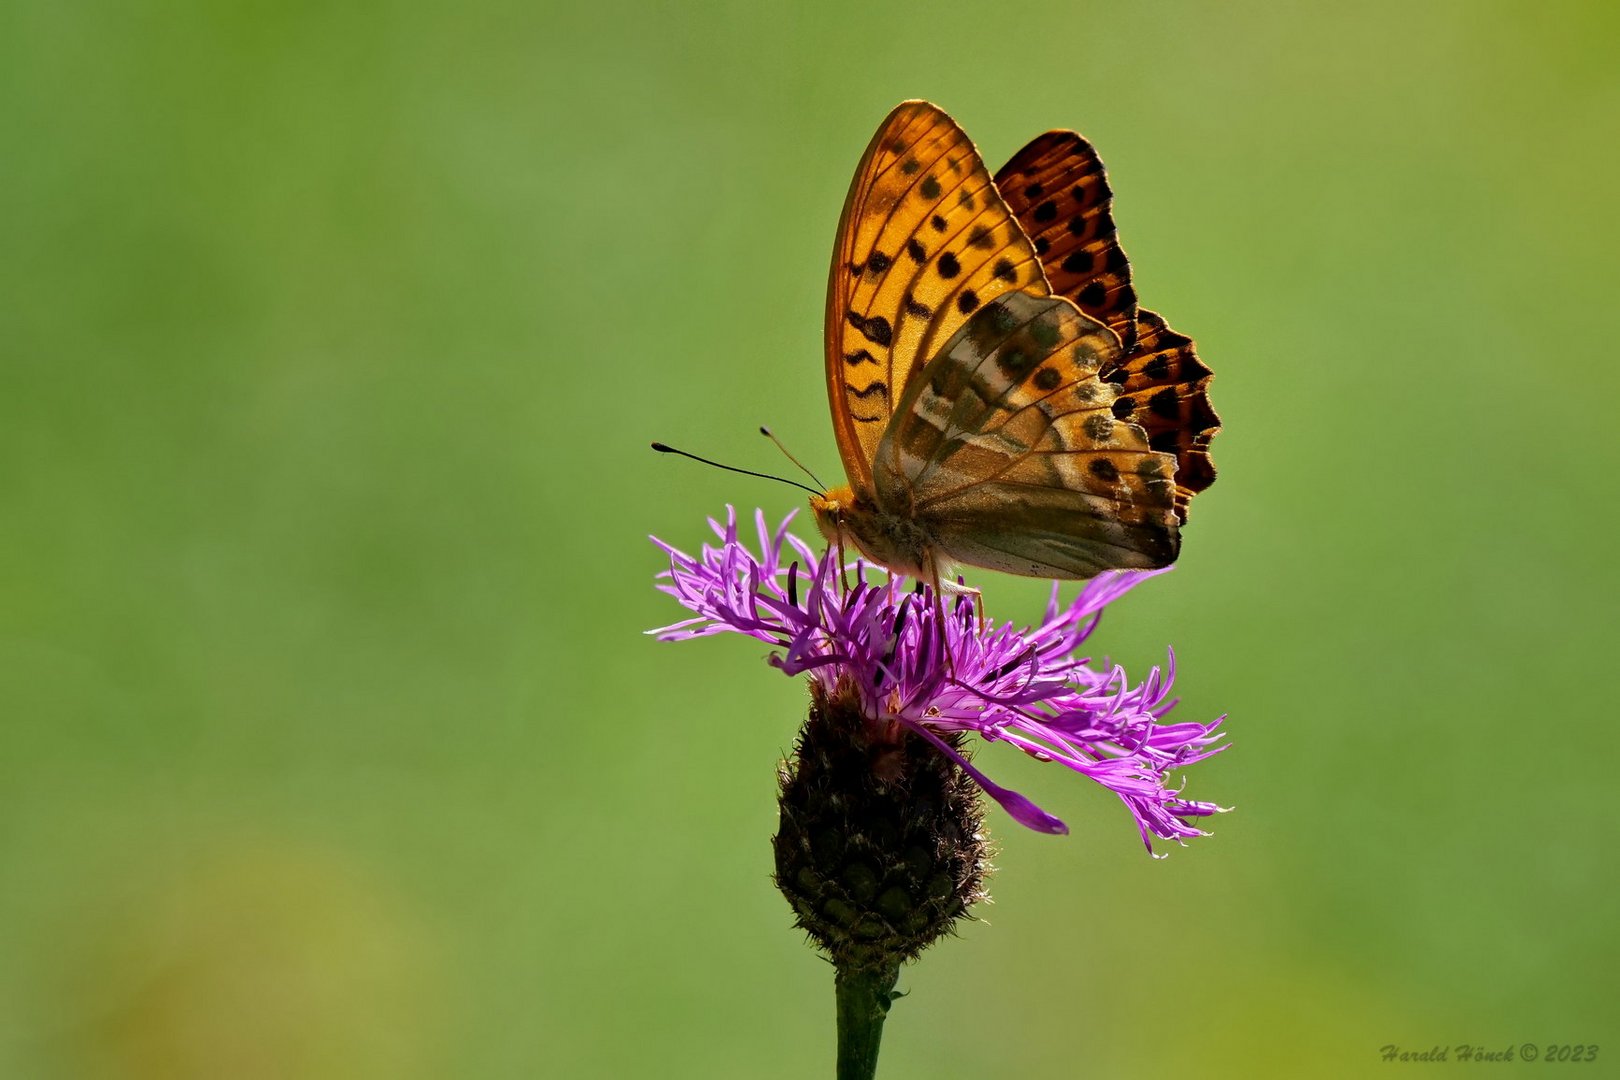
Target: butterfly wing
x=925 y=241
x=1008 y=452
x=1057 y=188
x=1163 y=387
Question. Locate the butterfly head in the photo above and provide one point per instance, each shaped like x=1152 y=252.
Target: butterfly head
x=895 y=541
x=830 y=509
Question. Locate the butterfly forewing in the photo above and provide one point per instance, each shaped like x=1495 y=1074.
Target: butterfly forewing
x=925 y=241
x=1057 y=188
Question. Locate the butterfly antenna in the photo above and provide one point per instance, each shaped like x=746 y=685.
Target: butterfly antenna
x=765 y=431
x=663 y=449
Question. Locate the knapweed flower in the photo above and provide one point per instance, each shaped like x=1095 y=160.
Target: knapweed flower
x=904 y=661
x=880 y=847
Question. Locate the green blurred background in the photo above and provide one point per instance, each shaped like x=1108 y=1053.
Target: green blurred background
x=333 y=337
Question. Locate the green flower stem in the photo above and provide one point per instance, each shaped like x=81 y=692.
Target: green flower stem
x=864 y=996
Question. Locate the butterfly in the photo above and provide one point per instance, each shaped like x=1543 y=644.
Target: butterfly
x=998 y=398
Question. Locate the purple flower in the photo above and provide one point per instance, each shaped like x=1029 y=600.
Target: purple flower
x=934 y=668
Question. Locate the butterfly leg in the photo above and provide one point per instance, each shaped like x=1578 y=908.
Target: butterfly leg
x=843 y=579
x=938 y=589
x=956 y=588
x=937 y=596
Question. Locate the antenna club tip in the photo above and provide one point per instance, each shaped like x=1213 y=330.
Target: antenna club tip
x=661 y=448
x=765 y=431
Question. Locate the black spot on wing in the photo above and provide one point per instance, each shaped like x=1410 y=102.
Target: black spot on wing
x=1078 y=262
x=1014 y=361
x=876 y=329
x=1002 y=319
x=1045 y=331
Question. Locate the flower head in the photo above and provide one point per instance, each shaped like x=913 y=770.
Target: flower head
x=902 y=657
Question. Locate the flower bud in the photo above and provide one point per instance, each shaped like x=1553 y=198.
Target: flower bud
x=881 y=846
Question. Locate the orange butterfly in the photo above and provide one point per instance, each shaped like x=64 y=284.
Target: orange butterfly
x=999 y=400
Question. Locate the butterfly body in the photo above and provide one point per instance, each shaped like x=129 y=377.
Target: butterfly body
x=982 y=418
x=900 y=541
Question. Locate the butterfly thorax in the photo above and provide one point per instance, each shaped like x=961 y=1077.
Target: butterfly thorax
x=896 y=541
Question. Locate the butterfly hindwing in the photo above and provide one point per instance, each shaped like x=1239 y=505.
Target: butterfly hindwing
x=1049 y=532
x=1009 y=442
x=924 y=242
x=1163 y=387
